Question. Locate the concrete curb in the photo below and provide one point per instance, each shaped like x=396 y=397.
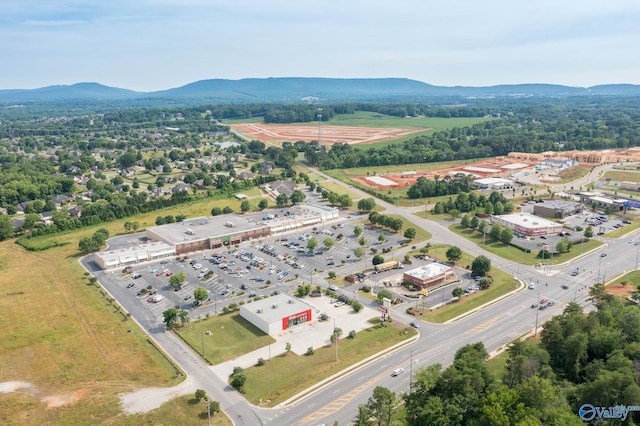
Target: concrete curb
x=521 y=287
x=352 y=368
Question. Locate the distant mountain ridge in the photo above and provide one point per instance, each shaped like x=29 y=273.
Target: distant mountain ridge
x=295 y=89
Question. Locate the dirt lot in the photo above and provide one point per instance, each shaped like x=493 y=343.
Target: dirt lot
x=618 y=289
x=328 y=135
x=499 y=166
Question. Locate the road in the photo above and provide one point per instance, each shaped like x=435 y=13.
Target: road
x=496 y=325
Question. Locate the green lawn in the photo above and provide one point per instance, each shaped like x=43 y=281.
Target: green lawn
x=288 y=374
x=229 y=336
x=503 y=283
x=373 y=170
x=512 y=253
x=631 y=277
x=622 y=176
x=421 y=234
x=573 y=173
x=338 y=189
x=374 y=119
x=620 y=232
x=174 y=412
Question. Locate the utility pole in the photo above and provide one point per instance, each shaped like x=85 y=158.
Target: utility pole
x=411 y=372
x=535 y=330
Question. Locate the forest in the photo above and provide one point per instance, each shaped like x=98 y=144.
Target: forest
x=579 y=359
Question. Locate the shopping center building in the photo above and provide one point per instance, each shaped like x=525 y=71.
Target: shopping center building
x=213 y=232
x=525 y=224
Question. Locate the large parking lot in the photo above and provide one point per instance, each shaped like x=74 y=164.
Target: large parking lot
x=276 y=264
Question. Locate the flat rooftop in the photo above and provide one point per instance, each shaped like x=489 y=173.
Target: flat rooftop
x=428 y=271
x=558 y=204
x=527 y=220
x=201 y=228
x=492 y=181
x=285 y=305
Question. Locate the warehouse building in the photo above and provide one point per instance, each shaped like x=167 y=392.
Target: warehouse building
x=277 y=313
x=139 y=253
x=525 y=224
x=493 y=183
x=429 y=275
x=558 y=209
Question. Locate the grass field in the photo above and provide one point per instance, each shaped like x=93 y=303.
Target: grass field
x=288 y=374
x=421 y=234
x=516 y=255
x=229 y=336
x=63 y=336
x=621 y=232
x=631 y=277
x=178 y=411
x=373 y=170
x=374 y=119
x=572 y=173
x=79 y=344
x=338 y=189
x=622 y=176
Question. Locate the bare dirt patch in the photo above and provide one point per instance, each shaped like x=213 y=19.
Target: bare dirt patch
x=619 y=289
x=328 y=135
x=495 y=167
x=148 y=399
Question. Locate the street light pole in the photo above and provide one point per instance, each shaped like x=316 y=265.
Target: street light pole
x=411 y=372
x=335 y=337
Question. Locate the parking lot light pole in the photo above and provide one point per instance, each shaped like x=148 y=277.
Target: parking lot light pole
x=335 y=336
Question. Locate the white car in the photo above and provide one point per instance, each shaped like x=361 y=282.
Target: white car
x=532 y=286
x=397 y=372
x=340 y=303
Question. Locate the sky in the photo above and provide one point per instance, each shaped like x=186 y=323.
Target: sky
x=148 y=45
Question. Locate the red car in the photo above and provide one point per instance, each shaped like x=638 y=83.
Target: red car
x=169 y=273
x=159 y=273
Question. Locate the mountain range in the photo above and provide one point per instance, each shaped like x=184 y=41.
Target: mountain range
x=299 y=89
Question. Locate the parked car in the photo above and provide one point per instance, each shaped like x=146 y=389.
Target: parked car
x=564 y=287
x=414 y=325
x=574 y=273
x=130 y=285
x=136 y=276
x=169 y=273
x=340 y=303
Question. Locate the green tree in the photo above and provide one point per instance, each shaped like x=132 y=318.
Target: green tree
x=588 y=232
x=366 y=204
x=482 y=226
x=176 y=280
x=328 y=243
x=227 y=210
x=6 y=229
x=506 y=236
x=474 y=222
x=457 y=292
x=282 y=200
x=357 y=230
x=480 y=266
x=216 y=211
x=381 y=237
x=485 y=282
x=312 y=244
x=200 y=294
x=263 y=204
x=384 y=294
x=170 y=317
x=345 y=201
x=377 y=259
x=200 y=394
x=337 y=332
x=245 y=206
x=410 y=233
x=356 y=306
x=359 y=252
x=453 y=254
x=465 y=221
x=238 y=378
x=564 y=245
x=382 y=405
x=363 y=418
x=496 y=230
x=297 y=197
